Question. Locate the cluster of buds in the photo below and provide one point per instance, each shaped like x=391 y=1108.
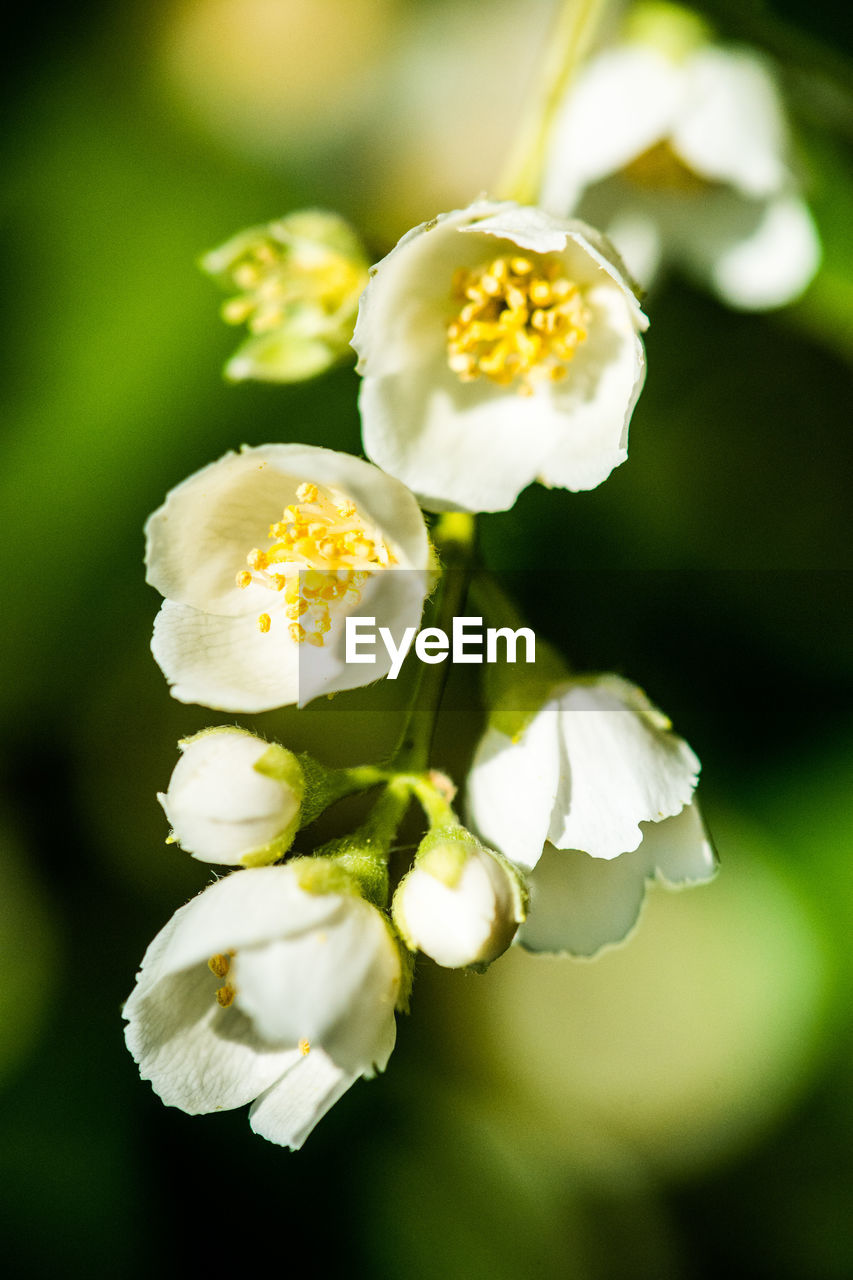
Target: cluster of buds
x=278 y=984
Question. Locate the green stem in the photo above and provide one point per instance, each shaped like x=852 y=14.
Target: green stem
x=364 y=853
x=323 y=787
x=576 y=23
x=435 y=804
x=454 y=537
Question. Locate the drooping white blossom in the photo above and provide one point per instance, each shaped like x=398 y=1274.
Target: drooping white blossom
x=460 y=903
x=260 y=990
x=498 y=346
x=233 y=798
x=678 y=148
x=594 y=797
x=262 y=555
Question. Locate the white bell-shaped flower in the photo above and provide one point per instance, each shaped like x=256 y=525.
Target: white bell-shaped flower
x=260 y=990
x=461 y=904
x=234 y=798
x=596 y=777
x=262 y=555
x=498 y=346
x=678 y=148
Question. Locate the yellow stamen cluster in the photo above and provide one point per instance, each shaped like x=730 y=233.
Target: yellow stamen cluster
x=322 y=552
x=304 y=1047
x=274 y=275
x=660 y=168
x=219 y=966
x=519 y=318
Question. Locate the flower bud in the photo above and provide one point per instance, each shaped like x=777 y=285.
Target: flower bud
x=233 y=798
x=461 y=904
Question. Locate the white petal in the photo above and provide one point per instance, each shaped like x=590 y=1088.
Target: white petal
x=334 y=986
x=394 y=598
x=197 y=1055
x=580 y=904
x=199 y=539
x=226 y=663
x=220 y=807
x=679 y=851
x=460 y=446
x=624 y=767
x=624 y=102
x=597 y=397
x=513 y=787
x=634 y=232
x=731 y=129
x=773 y=264
x=396 y=328
x=472 y=921
x=243 y=909
x=287 y=1112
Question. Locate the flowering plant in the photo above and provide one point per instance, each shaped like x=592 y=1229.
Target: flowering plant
x=499 y=345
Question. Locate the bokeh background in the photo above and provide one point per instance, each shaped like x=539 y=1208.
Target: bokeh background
x=681 y=1107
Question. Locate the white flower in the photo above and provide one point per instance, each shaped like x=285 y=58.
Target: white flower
x=261 y=991
x=595 y=797
x=299 y=281
x=261 y=556
x=461 y=904
x=233 y=798
x=498 y=346
x=682 y=153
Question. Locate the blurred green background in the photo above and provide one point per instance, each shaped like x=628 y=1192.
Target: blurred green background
x=679 y=1108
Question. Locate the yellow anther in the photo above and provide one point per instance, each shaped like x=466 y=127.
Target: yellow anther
x=237 y=310
x=304 y=1047
x=219 y=964
x=521 y=318
x=314 y=549
x=225 y=995
x=246 y=276
x=315 y=638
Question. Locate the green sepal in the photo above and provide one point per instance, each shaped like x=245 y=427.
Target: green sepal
x=673 y=30
x=516 y=692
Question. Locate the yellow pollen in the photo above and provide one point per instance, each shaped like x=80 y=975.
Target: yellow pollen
x=321 y=551
x=225 y=995
x=518 y=319
x=219 y=965
x=304 y=1047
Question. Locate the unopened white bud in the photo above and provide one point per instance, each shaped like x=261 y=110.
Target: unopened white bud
x=461 y=903
x=233 y=798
